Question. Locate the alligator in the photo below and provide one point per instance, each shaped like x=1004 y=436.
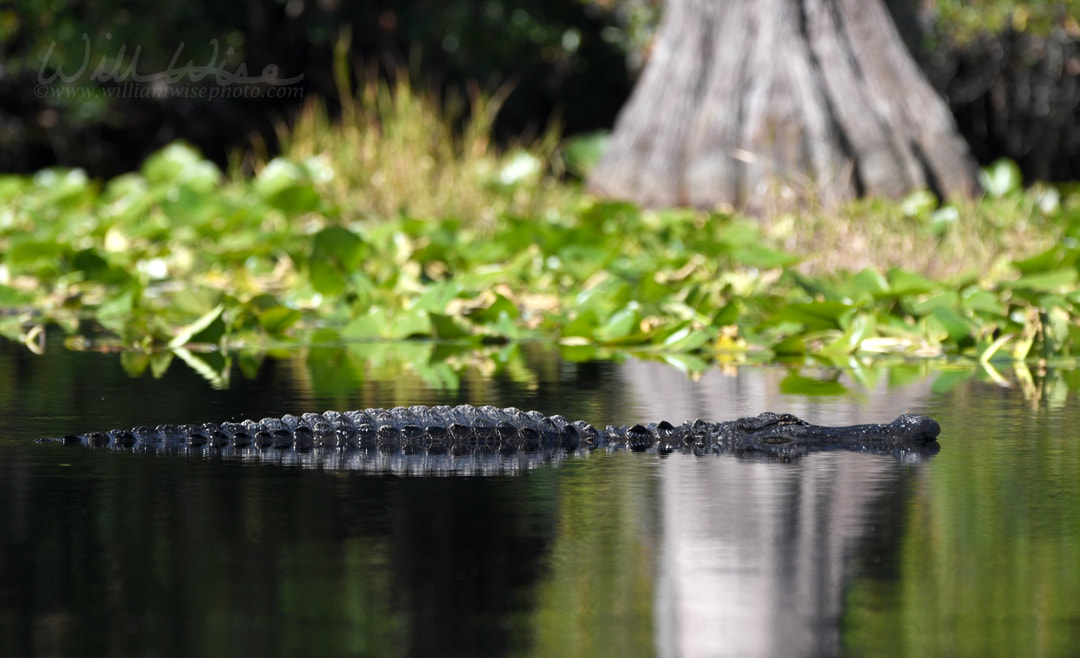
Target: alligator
x=468 y=439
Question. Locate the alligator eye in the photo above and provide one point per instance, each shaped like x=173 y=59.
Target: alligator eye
x=789 y=419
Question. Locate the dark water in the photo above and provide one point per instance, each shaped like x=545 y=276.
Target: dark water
x=973 y=552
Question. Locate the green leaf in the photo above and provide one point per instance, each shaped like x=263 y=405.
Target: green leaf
x=988 y=353
x=790 y=345
x=1057 y=280
x=583 y=151
x=757 y=255
x=815 y=316
x=10 y=297
x=409 y=323
x=448 y=327
x=1053 y=258
x=277 y=319
x=902 y=282
x=287 y=186
x=372 y=324
x=796 y=384
x=499 y=308
x=582 y=326
x=918 y=203
x=620 y=325
x=438 y=296
x=955 y=324
x=687 y=339
x=1001 y=177
x=181 y=163
x=976 y=299
x=945 y=298
x=188 y=333
x=117 y=310
x=872 y=282
x=335 y=253
x=28 y=251
x=860 y=328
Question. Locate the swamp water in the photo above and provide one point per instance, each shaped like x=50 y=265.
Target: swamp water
x=974 y=551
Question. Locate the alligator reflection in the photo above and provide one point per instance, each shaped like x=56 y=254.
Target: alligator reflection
x=468 y=440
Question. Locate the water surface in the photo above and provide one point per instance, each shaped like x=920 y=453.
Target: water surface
x=975 y=551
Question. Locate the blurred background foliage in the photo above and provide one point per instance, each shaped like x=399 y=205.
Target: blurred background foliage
x=1008 y=69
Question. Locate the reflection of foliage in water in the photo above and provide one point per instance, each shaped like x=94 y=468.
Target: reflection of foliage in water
x=601 y=573
x=989 y=554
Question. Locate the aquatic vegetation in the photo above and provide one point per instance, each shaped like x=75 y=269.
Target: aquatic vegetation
x=351 y=237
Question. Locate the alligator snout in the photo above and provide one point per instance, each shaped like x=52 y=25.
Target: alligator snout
x=917 y=426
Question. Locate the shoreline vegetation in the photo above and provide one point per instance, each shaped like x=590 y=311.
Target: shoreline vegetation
x=403 y=220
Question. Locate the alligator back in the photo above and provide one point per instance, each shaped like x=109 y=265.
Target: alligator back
x=466 y=439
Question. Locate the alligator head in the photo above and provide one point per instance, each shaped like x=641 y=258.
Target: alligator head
x=784 y=434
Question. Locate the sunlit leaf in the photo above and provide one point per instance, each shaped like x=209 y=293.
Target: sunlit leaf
x=858 y=330
x=1046 y=281
x=1001 y=177
x=687 y=339
x=918 y=203
x=188 y=333
x=1054 y=258
x=619 y=325
x=871 y=281
x=287 y=186
x=180 y=163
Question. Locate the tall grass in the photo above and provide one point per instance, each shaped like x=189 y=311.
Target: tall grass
x=395 y=151
x=975 y=238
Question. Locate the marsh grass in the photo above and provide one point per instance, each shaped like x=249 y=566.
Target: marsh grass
x=978 y=238
x=396 y=151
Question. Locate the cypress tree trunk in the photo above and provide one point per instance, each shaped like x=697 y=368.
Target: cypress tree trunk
x=748 y=102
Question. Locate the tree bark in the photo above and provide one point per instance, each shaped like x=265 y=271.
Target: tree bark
x=746 y=103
